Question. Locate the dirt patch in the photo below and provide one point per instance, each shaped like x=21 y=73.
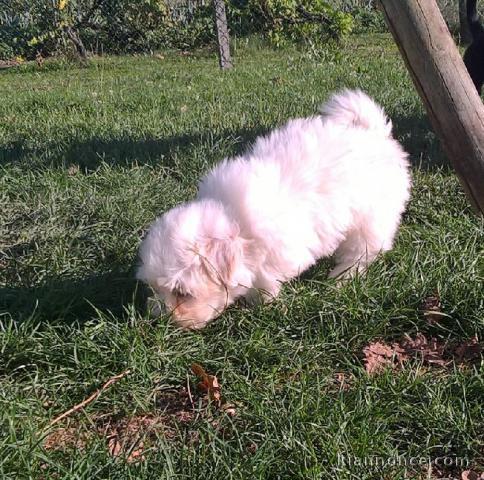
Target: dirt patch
x=130 y=437
x=379 y=355
x=70 y=437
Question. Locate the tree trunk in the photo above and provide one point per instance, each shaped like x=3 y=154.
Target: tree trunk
x=222 y=35
x=450 y=98
x=76 y=40
x=465 y=33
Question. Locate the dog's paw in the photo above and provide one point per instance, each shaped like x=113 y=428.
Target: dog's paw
x=189 y=324
x=154 y=307
x=258 y=296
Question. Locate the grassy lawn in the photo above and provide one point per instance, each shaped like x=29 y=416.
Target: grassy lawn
x=90 y=156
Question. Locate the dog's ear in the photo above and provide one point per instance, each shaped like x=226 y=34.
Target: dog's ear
x=222 y=256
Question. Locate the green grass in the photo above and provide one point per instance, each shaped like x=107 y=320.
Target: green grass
x=90 y=156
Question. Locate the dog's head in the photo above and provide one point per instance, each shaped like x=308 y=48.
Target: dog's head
x=193 y=258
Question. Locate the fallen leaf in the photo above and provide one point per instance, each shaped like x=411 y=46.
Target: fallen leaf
x=114 y=446
x=209 y=383
x=229 y=409
x=430 y=350
x=137 y=455
x=470 y=475
x=379 y=355
x=198 y=370
x=252 y=447
x=342 y=381
x=431 y=307
x=469 y=350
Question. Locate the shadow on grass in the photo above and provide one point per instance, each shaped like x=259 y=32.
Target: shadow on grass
x=124 y=152
x=74 y=300
x=413 y=131
x=416 y=135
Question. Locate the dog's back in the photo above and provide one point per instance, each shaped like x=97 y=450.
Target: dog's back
x=474 y=55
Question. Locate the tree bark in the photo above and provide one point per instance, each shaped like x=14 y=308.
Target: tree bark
x=223 y=38
x=76 y=40
x=450 y=98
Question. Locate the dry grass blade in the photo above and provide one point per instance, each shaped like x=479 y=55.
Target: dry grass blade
x=89 y=399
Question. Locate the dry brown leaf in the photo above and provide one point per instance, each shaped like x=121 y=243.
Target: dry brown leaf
x=137 y=455
x=198 y=370
x=114 y=446
x=208 y=384
x=431 y=307
x=469 y=350
x=470 y=475
x=379 y=355
x=229 y=409
x=252 y=447
x=431 y=351
x=342 y=381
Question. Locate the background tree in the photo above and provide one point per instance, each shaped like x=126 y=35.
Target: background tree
x=223 y=39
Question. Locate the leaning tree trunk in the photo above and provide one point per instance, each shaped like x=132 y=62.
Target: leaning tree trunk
x=223 y=38
x=465 y=33
x=438 y=72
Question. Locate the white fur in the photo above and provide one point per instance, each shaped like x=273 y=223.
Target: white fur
x=336 y=183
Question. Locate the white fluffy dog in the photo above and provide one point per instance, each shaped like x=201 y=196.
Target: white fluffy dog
x=335 y=183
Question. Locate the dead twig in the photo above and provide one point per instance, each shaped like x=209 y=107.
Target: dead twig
x=89 y=399
x=190 y=393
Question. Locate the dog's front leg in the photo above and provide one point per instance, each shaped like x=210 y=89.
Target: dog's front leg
x=263 y=292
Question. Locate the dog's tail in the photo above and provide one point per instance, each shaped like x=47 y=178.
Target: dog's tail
x=355 y=108
x=473 y=20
